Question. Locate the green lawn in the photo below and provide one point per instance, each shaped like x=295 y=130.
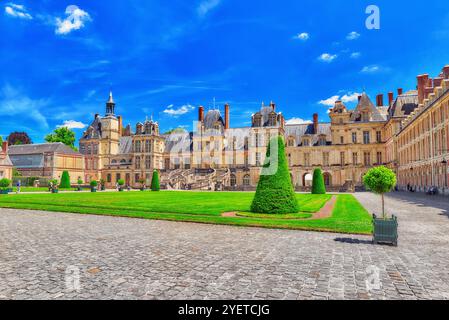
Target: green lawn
x=206 y=207
x=41 y=189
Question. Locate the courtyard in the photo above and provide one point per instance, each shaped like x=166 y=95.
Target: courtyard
x=70 y=256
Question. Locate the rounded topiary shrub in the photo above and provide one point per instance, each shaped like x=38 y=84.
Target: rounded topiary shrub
x=380 y=180
x=155 y=181
x=94 y=183
x=65 y=180
x=4 y=183
x=275 y=193
x=318 y=186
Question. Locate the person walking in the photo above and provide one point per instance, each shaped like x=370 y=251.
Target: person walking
x=19 y=183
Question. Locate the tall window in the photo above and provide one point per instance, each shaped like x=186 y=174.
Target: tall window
x=137 y=162
x=137 y=147
x=322 y=141
x=246 y=180
x=366 y=139
x=379 y=136
x=367 y=158
x=147 y=146
x=342 y=159
x=118 y=177
x=109 y=177
x=257 y=159
x=379 y=158
x=257 y=140
x=342 y=140
x=354 y=137
x=147 y=162
x=233 y=180
x=306 y=143
x=355 y=158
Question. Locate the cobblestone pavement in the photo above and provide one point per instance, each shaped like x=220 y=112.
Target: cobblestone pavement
x=68 y=256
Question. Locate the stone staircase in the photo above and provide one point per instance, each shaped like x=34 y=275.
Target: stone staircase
x=195 y=179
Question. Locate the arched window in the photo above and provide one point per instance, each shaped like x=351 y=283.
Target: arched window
x=233 y=180
x=246 y=180
x=114 y=161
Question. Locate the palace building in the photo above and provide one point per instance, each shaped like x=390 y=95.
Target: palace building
x=5 y=162
x=408 y=134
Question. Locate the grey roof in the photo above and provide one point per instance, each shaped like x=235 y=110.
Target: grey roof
x=404 y=105
x=265 y=112
x=94 y=130
x=365 y=104
x=178 y=142
x=300 y=130
x=5 y=161
x=125 y=145
x=211 y=117
x=57 y=147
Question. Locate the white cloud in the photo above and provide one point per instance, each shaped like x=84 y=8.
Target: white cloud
x=75 y=20
x=326 y=57
x=353 y=35
x=72 y=124
x=206 y=6
x=371 y=69
x=347 y=97
x=14 y=103
x=330 y=101
x=171 y=111
x=302 y=36
x=17 y=11
x=355 y=55
x=297 y=121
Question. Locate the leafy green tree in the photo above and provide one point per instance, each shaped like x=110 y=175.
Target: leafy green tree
x=155 y=181
x=121 y=182
x=318 y=186
x=275 y=193
x=18 y=138
x=94 y=183
x=64 y=135
x=16 y=173
x=65 y=180
x=380 y=180
x=4 y=184
x=1 y=140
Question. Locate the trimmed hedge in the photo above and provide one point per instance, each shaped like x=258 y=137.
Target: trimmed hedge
x=318 y=186
x=275 y=193
x=155 y=186
x=65 y=180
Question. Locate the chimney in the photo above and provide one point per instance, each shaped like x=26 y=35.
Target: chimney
x=96 y=116
x=5 y=147
x=422 y=83
x=437 y=82
x=390 y=98
x=400 y=91
x=127 y=131
x=380 y=100
x=315 y=123
x=359 y=98
x=446 y=72
x=201 y=114
x=227 y=116
x=120 y=125
x=273 y=106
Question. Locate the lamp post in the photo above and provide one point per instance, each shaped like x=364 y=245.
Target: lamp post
x=444 y=162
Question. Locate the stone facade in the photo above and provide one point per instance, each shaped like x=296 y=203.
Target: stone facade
x=409 y=134
x=47 y=160
x=5 y=162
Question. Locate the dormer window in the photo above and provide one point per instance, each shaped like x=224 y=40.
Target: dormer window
x=306 y=142
x=365 y=116
x=322 y=141
x=291 y=142
x=272 y=121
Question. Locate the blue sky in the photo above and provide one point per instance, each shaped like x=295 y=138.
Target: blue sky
x=59 y=59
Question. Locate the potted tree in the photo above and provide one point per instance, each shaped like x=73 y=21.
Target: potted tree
x=121 y=183
x=53 y=185
x=381 y=180
x=102 y=184
x=93 y=186
x=142 y=184
x=4 y=186
x=80 y=182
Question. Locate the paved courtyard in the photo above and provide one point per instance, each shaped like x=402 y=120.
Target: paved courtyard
x=69 y=256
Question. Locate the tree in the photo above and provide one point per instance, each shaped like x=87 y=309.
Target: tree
x=155 y=181
x=1 y=140
x=275 y=193
x=380 y=180
x=18 y=138
x=64 y=135
x=318 y=186
x=4 y=184
x=16 y=173
x=65 y=180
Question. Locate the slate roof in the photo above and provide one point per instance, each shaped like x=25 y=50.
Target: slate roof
x=5 y=161
x=378 y=114
x=57 y=147
x=178 y=142
x=125 y=145
x=300 y=130
x=211 y=117
x=404 y=105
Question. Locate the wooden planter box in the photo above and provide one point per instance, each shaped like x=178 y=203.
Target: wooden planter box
x=385 y=230
x=93 y=189
x=54 y=191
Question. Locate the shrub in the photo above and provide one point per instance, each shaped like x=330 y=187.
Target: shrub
x=65 y=180
x=275 y=193
x=318 y=186
x=380 y=180
x=80 y=182
x=4 y=184
x=94 y=183
x=54 y=182
x=155 y=181
x=121 y=182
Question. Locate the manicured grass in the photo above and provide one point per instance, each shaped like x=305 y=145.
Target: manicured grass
x=206 y=207
x=290 y=216
x=42 y=189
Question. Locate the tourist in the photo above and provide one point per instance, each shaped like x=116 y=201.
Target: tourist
x=19 y=183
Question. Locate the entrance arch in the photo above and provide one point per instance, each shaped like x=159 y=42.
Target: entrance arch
x=307 y=180
x=327 y=179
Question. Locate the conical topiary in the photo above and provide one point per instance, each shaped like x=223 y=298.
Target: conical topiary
x=65 y=180
x=275 y=193
x=318 y=186
x=155 y=181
